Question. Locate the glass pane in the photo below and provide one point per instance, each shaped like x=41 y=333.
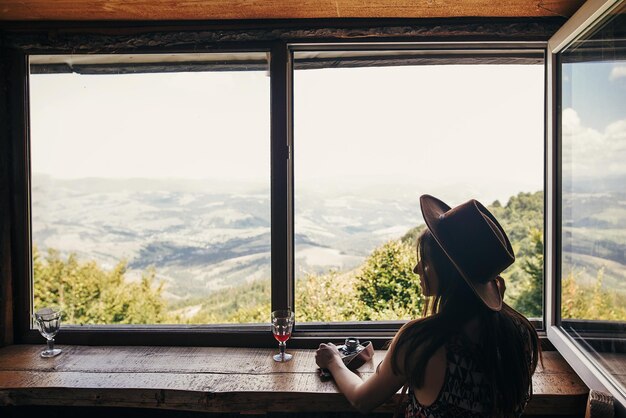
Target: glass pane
x=372 y=134
x=593 y=132
x=150 y=187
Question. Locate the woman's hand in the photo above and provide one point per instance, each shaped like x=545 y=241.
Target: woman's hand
x=327 y=354
x=364 y=396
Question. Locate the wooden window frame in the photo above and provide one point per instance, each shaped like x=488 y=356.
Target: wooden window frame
x=280 y=39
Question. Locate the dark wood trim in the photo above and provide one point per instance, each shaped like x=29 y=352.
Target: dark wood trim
x=20 y=183
x=279 y=75
x=291 y=212
x=520 y=57
x=204 y=37
x=14 y=182
x=6 y=273
x=200 y=337
x=215 y=336
x=140 y=68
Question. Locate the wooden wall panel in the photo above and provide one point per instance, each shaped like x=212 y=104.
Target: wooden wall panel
x=277 y=9
x=6 y=319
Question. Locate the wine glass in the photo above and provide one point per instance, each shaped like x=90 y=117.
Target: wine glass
x=48 y=322
x=282 y=324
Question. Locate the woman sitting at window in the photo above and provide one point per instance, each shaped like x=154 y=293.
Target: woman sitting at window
x=471 y=355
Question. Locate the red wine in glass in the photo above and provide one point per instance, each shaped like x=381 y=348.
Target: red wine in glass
x=282 y=338
x=282 y=325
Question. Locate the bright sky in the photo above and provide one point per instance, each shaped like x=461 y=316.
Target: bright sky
x=184 y=125
x=427 y=125
x=422 y=125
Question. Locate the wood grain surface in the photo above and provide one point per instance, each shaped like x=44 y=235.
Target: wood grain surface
x=277 y=9
x=216 y=380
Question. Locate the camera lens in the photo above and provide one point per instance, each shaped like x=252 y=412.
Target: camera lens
x=351 y=343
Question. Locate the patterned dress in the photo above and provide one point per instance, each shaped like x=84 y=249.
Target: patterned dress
x=465 y=392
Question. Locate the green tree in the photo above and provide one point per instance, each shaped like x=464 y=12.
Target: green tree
x=530 y=297
x=591 y=301
x=411 y=236
x=522 y=219
x=386 y=282
x=244 y=303
x=328 y=297
x=87 y=294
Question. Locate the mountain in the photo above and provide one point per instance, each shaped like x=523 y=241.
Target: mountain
x=201 y=236
x=594 y=236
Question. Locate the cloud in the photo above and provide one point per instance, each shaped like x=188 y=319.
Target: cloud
x=617 y=72
x=591 y=153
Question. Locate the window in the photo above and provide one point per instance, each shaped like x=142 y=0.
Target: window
x=590 y=322
x=373 y=130
x=150 y=187
x=150 y=179
x=208 y=156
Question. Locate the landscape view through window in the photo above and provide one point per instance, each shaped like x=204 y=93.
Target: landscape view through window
x=150 y=191
x=369 y=141
x=150 y=194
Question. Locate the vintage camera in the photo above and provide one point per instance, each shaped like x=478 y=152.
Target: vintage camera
x=353 y=354
x=350 y=349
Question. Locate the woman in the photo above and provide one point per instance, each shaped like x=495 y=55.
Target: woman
x=471 y=354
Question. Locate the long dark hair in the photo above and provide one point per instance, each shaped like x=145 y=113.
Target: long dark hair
x=510 y=345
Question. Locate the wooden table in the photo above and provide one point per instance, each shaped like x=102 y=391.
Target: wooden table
x=216 y=380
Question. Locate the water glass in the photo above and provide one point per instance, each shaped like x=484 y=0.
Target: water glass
x=48 y=321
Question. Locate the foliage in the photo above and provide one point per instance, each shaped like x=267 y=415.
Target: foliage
x=87 y=294
x=521 y=214
x=522 y=219
x=411 y=236
x=591 y=301
x=384 y=287
x=327 y=297
x=246 y=303
x=386 y=282
x=530 y=297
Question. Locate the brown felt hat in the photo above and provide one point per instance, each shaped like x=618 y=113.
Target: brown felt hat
x=474 y=242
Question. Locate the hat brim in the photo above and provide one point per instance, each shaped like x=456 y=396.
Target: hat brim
x=432 y=210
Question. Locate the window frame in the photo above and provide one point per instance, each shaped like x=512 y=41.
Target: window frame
x=282 y=216
x=436 y=49
x=587 y=368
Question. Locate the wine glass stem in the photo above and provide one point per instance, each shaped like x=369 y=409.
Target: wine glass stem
x=282 y=345
x=51 y=344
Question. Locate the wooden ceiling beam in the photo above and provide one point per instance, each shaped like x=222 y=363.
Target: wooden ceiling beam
x=151 y=10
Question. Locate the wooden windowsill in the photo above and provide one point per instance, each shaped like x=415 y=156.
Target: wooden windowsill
x=216 y=380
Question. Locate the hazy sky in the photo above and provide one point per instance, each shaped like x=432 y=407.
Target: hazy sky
x=426 y=125
x=186 y=125
x=433 y=126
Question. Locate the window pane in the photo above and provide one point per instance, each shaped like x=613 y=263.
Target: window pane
x=150 y=187
x=373 y=132
x=593 y=131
